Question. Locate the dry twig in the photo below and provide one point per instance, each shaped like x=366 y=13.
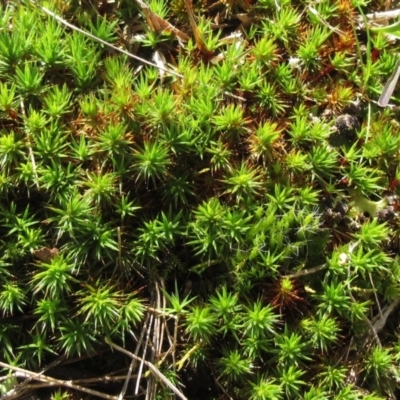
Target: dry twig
x=55 y=382
x=152 y=368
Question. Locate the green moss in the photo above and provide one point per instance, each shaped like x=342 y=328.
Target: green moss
x=190 y=199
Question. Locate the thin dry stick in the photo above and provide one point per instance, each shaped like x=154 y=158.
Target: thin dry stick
x=21 y=386
x=380 y=16
x=308 y=271
x=376 y=295
x=379 y=321
x=220 y=386
x=28 y=136
x=151 y=388
x=134 y=361
x=152 y=383
x=140 y=341
x=152 y=368
x=57 y=382
x=175 y=341
x=319 y=16
x=103 y=378
x=163 y=321
x=34 y=386
x=157 y=340
x=161 y=312
x=166 y=330
x=370 y=325
x=144 y=354
x=377 y=324
x=87 y=381
x=119 y=249
x=171 y=348
x=160 y=325
x=127 y=379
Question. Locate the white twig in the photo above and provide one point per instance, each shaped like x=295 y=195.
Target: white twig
x=142 y=361
x=381 y=16
x=57 y=382
x=134 y=361
x=127 y=379
x=308 y=271
x=21 y=387
x=28 y=136
x=152 y=368
x=379 y=320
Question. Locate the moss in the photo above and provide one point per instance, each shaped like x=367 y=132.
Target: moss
x=203 y=198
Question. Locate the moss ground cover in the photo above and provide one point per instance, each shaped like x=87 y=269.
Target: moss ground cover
x=206 y=210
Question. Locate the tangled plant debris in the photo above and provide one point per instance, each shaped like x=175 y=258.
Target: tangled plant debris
x=198 y=199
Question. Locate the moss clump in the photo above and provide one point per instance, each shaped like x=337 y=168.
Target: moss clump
x=194 y=208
